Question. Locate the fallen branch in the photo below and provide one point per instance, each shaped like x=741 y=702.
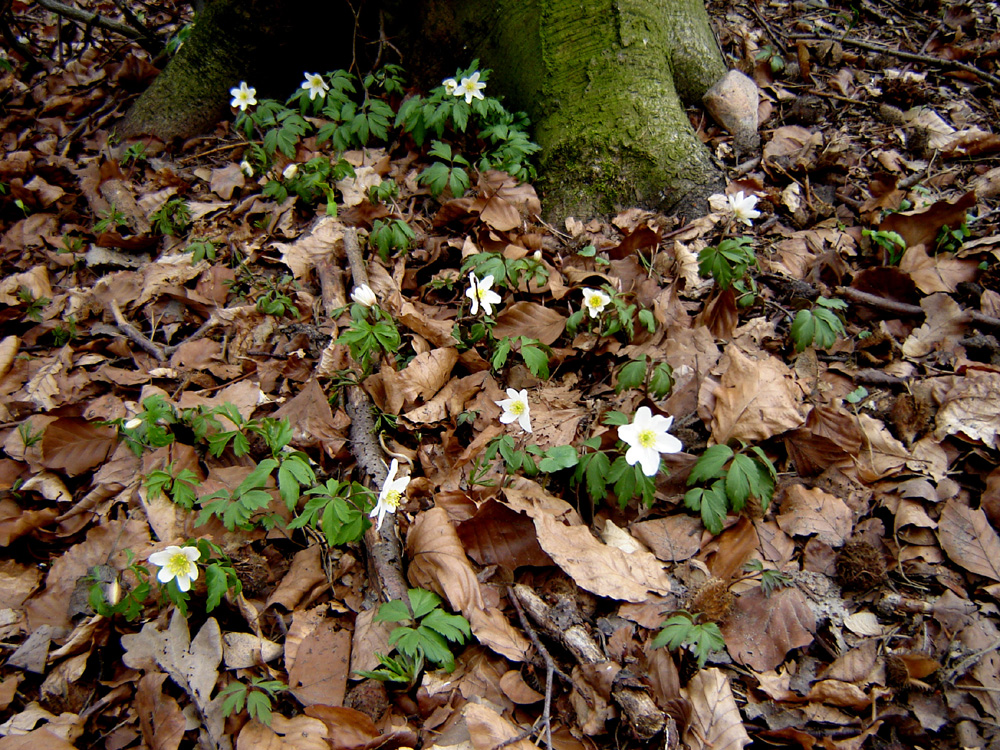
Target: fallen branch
x=91 y=19
x=385 y=553
x=568 y=629
x=134 y=335
x=904 y=310
x=915 y=56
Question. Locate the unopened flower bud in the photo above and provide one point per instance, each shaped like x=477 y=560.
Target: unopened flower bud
x=290 y=171
x=364 y=295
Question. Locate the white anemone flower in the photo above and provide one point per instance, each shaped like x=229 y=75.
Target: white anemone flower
x=595 y=301
x=743 y=207
x=133 y=424
x=243 y=96
x=515 y=408
x=246 y=168
x=647 y=438
x=391 y=495
x=177 y=562
x=290 y=171
x=450 y=85
x=480 y=293
x=315 y=85
x=364 y=295
x=470 y=88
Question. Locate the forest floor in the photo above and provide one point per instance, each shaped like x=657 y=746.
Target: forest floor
x=153 y=364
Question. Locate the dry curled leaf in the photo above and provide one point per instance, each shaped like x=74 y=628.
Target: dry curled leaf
x=716 y=723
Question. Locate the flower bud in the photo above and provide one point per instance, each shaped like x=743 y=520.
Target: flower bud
x=364 y=295
x=290 y=171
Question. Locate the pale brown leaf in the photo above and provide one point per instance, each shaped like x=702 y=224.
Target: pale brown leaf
x=322 y=665
x=423 y=377
x=716 y=723
x=487 y=728
x=160 y=716
x=756 y=399
x=672 y=539
x=807 y=511
x=532 y=320
x=598 y=568
x=76 y=445
x=969 y=540
x=971 y=408
x=439 y=564
x=8 y=350
x=763 y=629
x=519 y=691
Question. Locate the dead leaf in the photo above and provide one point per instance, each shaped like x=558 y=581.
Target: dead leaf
x=497 y=535
x=716 y=723
x=807 y=511
x=762 y=629
x=532 y=320
x=922 y=227
x=321 y=668
x=76 y=445
x=971 y=408
x=162 y=721
x=598 y=568
x=755 y=400
x=672 y=539
x=439 y=563
x=942 y=329
x=969 y=540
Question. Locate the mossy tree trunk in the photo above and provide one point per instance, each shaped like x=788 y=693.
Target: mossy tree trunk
x=603 y=82
x=268 y=43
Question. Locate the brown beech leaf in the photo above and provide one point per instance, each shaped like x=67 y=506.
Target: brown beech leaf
x=941 y=330
x=487 y=728
x=756 y=399
x=532 y=320
x=881 y=454
x=76 y=445
x=763 y=629
x=672 y=539
x=519 y=691
x=159 y=714
x=971 y=409
x=423 y=377
x=969 y=540
x=806 y=511
x=497 y=535
x=345 y=727
x=837 y=693
x=597 y=567
x=439 y=564
x=322 y=666
x=716 y=723
x=922 y=227
x=942 y=272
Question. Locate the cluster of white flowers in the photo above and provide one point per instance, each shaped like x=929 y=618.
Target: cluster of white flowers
x=469 y=87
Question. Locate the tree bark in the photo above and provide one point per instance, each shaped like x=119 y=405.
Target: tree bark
x=265 y=42
x=603 y=82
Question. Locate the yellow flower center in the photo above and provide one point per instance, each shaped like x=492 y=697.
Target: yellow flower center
x=179 y=565
x=392 y=498
x=594 y=301
x=517 y=408
x=647 y=438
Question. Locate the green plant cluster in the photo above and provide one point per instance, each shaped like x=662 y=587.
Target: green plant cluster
x=426 y=637
x=729 y=479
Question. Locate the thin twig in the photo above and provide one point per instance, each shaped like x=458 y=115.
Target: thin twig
x=91 y=19
x=915 y=56
x=135 y=335
x=905 y=310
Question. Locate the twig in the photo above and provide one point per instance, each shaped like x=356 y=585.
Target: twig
x=905 y=310
x=134 y=335
x=91 y=19
x=147 y=39
x=383 y=543
x=915 y=56
x=550 y=669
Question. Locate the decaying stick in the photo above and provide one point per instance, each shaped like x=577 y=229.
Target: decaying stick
x=134 y=335
x=644 y=718
x=383 y=544
x=903 y=309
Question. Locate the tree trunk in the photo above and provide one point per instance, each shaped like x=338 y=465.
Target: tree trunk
x=265 y=42
x=603 y=82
